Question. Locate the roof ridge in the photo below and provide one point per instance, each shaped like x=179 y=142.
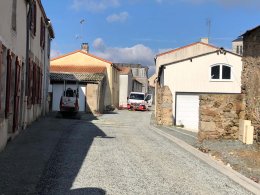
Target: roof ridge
x=189 y=45
x=88 y=54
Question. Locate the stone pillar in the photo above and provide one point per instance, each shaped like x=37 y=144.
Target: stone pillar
x=164 y=114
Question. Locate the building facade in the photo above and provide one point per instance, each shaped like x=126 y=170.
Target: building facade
x=25 y=37
x=208 y=71
x=81 y=61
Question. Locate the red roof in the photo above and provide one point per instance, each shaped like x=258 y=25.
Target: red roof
x=88 y=54
x=190 y=45
x=79 y=69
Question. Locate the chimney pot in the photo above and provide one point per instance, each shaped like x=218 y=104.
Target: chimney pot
x=204 y=40
x=85 y=47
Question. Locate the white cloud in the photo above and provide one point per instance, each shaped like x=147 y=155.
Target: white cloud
x=94 y=5
x=226 y=3
x=121 y=17
x=99 y=44
x=139 y=54
x=55 y=53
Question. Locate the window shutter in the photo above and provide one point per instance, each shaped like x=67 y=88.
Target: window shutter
x=35 y=17
x=17 y=93
x=8 y=83
x=29 y=98
x=14 y=15
x=42 y=37
x=1 y=63
x=34 y=86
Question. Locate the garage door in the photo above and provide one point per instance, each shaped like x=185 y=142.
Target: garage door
x=187 y=111
x=57 y=90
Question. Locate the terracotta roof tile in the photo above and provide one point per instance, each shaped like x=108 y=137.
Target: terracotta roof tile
x=79 y=69
x=76 y=76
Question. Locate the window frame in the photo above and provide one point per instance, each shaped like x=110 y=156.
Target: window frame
x=221 y=73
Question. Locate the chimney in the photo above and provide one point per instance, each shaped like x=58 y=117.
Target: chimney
x=204 y=40
x=84 y=47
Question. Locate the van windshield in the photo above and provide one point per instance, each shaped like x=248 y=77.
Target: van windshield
x=137 y=96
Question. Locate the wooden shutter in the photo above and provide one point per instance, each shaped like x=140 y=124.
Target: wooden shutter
x=30 y=68
x=14 y=10
x=17 y=93
x=35 y=17
x=1 y=63
x=34 y=86
x=42 y=37
x=8 y=83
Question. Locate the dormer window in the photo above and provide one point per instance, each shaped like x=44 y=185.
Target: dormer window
x=221 y=72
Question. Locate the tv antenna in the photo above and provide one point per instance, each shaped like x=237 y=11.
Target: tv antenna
x=208 y=23
x=81 y=35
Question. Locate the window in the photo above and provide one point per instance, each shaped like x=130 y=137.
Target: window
x=241 y=50
x=220 y=72
x=42 y=36
x=14 y=15
x=8 y=83
x=33 y=18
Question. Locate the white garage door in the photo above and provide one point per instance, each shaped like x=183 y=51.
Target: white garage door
x=187 y=111
x=57 y=90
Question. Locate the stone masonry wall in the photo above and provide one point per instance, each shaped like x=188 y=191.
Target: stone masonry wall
x=164 y=106
x=219 y=116
x=251 y=79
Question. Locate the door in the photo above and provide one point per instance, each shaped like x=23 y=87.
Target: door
x=57 y=91
x=187 y=111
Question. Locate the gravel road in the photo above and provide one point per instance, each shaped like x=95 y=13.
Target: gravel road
x=113 y=154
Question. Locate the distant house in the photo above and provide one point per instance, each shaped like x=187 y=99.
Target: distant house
x=237 y=46
x=151 y=85
x=24 y=65
x=140 y=74
x=92 y=70
x=126 y=85
x=195 y=69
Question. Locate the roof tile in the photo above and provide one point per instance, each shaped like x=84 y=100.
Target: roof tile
x=78 y=69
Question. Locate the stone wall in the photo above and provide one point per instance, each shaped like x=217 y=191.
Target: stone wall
x=164 y=106
x=219 y=116
x=251 y=78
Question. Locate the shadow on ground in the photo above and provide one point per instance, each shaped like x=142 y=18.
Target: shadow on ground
x=46 y=157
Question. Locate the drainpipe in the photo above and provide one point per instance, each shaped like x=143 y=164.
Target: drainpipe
x=28 y=26
x=28 y=23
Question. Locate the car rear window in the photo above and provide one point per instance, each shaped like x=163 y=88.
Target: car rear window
x=137 y=96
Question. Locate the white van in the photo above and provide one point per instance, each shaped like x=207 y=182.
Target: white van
x=136 y=101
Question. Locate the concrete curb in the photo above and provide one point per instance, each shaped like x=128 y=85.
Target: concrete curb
x=228 y=171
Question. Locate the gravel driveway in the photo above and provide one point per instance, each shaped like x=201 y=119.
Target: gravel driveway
x=114 y=153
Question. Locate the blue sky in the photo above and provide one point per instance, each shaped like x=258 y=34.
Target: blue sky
x=134 y=31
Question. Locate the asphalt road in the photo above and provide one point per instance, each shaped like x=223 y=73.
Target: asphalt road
x=112 y=154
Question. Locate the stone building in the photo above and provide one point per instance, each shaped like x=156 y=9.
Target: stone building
x=251 y=77
x=25 y=36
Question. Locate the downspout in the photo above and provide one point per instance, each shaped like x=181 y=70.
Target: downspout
x=28 y=22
